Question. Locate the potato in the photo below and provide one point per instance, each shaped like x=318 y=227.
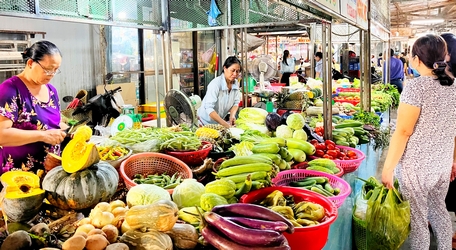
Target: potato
x=83 y=222
x=40 y=229
x=86 y=228
x=103 y=207
x=103 y=219
x=77 y=242
x=117 y=246
x=96 y=231
x=119 y=211
x=115 y=204
x=111 y=233
x=96 y=242
x=19 y=240
x=83 y=234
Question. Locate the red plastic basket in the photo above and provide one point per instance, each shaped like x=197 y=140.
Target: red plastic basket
x=354 y=102
x=192 y=158
x=311 y=237
x=152 y=163
x=285 y=177
x=348 y=90
x=304 y=165
x=348 y=165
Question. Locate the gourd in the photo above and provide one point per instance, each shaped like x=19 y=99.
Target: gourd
x=184 y=236
x=23 y=195
x=150 y=240
x=78 y=153
x=82 y=189
x=160 y=215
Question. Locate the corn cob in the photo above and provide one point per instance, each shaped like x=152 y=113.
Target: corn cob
x=207 y=132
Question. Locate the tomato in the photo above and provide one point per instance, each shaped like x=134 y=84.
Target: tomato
x=321 y=146
x=351 y=154
x=341 y=155
x=353 y=157
x=319 y=152
x=332 y=153
x=320 y=133
x=346 y=158
x=330 y=146
x=329 y=142
x=313 y=142
x=319 y=129
x=328 y=157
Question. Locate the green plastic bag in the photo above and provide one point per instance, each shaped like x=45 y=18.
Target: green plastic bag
x=388 y=219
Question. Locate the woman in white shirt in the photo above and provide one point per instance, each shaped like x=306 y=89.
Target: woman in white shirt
x=287 y=67
x=222 y=96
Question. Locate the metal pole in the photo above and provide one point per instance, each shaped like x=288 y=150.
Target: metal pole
x=327 y=89
x=367 y=73
x=157 y=90
x=313 y=36
x=387 y=59
x=245 y=77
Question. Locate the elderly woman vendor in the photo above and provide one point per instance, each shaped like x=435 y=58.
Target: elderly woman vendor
x=222 y=96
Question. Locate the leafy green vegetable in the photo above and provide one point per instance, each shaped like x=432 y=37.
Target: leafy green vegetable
x=244 y=148
x=295 y=121
x=254 y=136
x=369 y=118
x=253 y=115
x=283 y=131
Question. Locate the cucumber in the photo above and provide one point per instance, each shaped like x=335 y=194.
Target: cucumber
x=349 y=124
x=318 y=179
x=274 y=157
x=298 y=155
x=305 y=146
x=321 y=191
x=282 y=165
x=321 y=169
x=329 y=188
x=270 y=148
x=280 y=141
x=323 y=162
x=255 y=176
x=246 y=168
x=284 y=153
x=241 y=160
x=303 y=183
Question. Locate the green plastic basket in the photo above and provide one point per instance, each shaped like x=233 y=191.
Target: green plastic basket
x=359 y=233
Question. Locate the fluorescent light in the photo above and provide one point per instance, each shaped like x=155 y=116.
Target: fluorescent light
x=427 y=21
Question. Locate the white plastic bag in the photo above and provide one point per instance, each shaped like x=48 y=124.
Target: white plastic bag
x=360 y=207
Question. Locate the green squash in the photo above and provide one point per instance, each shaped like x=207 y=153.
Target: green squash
x=82 y=189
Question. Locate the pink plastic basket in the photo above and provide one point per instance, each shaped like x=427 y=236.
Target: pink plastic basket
x=285 y=177
x=348 y=165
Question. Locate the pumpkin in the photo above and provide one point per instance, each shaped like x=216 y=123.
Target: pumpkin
x=82 y=189
x=160 y=215
x=23 y=196
x=78 y=153
x=150 y=240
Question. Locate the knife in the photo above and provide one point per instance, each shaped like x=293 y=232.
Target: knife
x=81 y=122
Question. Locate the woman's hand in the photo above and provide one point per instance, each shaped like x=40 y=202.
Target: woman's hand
x=387 y=178
x=232 y=120
x=53 y=136
x=453 y=172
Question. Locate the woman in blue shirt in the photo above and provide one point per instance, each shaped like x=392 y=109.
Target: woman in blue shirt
x=222 y=96
x=287 y=67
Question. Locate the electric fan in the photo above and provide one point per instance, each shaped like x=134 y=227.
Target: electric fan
x=181 y=109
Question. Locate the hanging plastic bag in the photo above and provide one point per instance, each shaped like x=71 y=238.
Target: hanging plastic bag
x=212 y=63
x=388 y=219
x=213 y=13
x=207 y=56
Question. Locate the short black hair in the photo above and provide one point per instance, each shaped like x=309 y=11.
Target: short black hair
x=38 y=50
x=392 y=52
x=381 y=54
x=319 y=54
x=230 y=61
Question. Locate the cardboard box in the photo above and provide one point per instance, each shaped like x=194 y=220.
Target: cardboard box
x=128 y=92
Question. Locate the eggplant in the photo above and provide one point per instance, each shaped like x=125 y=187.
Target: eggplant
x=278 y=226
x=273 y=120
x=252 y=211
x=283 y=118
x=237 y=233
x=222 y=243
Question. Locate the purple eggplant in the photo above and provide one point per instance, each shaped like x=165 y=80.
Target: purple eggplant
x=272 y=121
x=278 y=226
x=252 y=211
x=237 y=233
x=222 y=243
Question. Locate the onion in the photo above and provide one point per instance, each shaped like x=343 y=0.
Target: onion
x=103 y=219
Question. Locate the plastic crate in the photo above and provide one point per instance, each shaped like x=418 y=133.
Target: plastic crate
x=348 y=90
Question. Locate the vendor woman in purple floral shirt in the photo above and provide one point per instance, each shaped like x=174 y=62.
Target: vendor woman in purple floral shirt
x=29 y=111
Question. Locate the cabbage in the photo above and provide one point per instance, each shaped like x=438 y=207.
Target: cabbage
x=300 y=134
x=188 y=193
x=272 y=121
x=244 y=148
x=145 y=194
x=253 y=115
x=283 y=131
x=243 y=124
x=295 y=121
